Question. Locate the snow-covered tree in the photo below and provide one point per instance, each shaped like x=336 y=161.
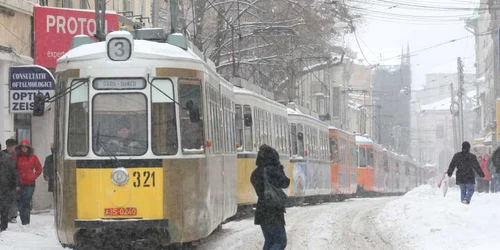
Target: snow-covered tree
x=268 y=42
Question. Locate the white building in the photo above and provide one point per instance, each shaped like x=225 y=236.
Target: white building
x=433 y=139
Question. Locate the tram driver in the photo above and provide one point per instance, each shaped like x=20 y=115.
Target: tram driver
x=123 y=144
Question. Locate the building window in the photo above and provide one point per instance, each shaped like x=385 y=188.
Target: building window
x=335 y=102
x=439 y=131
x=22 y=126
x=67 y=4
x=84 y=4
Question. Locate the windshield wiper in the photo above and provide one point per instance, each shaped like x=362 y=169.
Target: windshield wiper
x=112 y=156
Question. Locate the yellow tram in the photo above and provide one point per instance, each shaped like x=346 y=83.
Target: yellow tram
x=144 y=134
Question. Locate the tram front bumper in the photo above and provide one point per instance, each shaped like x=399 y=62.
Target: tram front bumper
x=122 y=223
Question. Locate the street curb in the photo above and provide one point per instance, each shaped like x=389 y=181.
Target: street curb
x=46 y=211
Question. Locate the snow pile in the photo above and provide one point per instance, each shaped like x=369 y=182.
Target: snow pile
x=423 y=219
x=41 y=235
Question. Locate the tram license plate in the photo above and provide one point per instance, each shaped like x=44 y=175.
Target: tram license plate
x=123 y=211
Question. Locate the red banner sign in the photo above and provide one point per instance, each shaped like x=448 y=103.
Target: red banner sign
x=55 y=27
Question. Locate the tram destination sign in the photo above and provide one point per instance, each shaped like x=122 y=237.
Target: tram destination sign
x=25 y=82
x=119 y=83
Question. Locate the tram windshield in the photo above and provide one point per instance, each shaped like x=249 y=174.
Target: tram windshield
x=119 y=124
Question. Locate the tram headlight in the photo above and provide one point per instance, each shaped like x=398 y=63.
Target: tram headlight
x=119 y=176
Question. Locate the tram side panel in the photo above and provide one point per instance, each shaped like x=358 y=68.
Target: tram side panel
x=194 y=196
x=66 y=196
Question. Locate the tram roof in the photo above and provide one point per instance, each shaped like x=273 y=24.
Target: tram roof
x=243 y=91
x=142 y=49
x=362 y=139
x=330 y=127
x=294 y=112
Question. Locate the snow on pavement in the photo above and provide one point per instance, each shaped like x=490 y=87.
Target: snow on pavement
x=423 y=219
x=41 y=235
x=340 y=225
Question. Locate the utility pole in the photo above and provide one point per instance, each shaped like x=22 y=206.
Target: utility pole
x=156 y=12
x=379 y=125
x=174 y=6
x=100 y=20
x=453 y=120
x=460 y=74
x=492 y=8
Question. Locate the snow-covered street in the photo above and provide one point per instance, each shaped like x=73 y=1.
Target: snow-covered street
x=341 y=225
x=422 y=219
x=40 y=235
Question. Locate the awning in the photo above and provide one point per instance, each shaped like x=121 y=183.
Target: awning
x=478 y=141
x=487 y=139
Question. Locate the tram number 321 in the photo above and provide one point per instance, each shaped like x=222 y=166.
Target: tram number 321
x=144 y=179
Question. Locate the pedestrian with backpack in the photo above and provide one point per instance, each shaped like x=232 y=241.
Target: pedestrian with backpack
x=268 y=180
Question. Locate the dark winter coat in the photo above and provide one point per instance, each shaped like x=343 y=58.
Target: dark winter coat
x=9 y=178
x=494 y=162
x=48 y=170
x=466 y=163
x=268 y=159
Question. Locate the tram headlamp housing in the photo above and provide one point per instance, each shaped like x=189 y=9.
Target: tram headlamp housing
x=119 y=176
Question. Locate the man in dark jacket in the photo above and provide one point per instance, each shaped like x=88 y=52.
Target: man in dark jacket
x=9 y=182
x=271 y=219
x=494 y=168
x=11 y=151
x=48 y=169
x=466 y=163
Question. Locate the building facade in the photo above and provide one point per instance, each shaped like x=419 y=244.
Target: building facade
x=340 y=94
x=392 y=94
x=485 y=25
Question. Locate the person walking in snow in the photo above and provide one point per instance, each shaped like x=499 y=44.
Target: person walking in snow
x=9 y=182
x=485 y=182
x=11 y=151
x=465 y=163
x=29 y=168
x=48 y=169
x=494 y=168
x=270 y=218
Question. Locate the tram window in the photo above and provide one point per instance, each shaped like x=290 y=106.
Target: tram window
x=275 y=135
x=239 y=127
x=78 y=121
x=269 y=128
x=354 y=154
x=334 y=149
x=370 y=157
x=232 y=126
x=190 y=116
x=163 y=118
x=293 y=134
x=247 y=113
x=60 y=115
x=362 y=157
x=341 y=151
x=119 y=124
x=258 y=124
x=300 y=140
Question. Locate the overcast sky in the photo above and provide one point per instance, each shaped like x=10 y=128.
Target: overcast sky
x=391 y=24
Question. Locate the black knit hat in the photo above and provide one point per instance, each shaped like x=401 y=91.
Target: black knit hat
x=465 y=145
